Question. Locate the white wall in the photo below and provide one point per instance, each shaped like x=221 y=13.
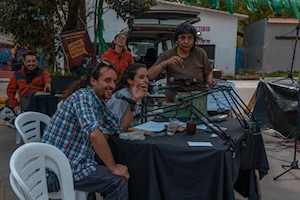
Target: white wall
x=223 y=31
x=112 y=24
x=90 y=8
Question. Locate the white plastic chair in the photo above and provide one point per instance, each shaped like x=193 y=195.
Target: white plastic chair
x=79 y=195
x=28 y=168
x=28 y=125
x=16 y=188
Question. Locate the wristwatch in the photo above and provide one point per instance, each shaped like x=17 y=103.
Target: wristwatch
x=162 y=66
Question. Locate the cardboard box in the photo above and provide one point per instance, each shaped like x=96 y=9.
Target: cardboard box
x=176 y=109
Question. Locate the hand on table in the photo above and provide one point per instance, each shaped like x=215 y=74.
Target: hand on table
x=47 y=87
x=211 y=82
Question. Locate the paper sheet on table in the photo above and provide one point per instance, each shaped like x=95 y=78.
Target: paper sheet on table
x=199 y=144
x=152 y=126
x=203 y=126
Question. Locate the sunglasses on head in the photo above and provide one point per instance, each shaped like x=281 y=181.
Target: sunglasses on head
x=102 y=62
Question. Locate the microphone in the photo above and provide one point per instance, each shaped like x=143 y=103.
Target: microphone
x=172 y=79
x=187 y=81
x=121 y=96
x=156 y=89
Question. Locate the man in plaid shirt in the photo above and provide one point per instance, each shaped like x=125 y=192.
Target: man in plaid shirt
x=78 y=129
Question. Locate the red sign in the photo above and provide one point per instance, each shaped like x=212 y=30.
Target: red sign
x=78 y=49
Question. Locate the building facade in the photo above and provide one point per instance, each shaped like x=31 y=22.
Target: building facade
x=270 y=44
x=217 y=29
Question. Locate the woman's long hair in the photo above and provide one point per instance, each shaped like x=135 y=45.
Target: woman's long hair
x=128 y=73
x=113 y=46
x=93 y=72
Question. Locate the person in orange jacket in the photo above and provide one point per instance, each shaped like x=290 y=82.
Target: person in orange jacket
x=28 y=80
x=118 y=55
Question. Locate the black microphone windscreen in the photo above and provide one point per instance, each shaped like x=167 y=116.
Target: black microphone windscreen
x=118 y=95
x=155 y=89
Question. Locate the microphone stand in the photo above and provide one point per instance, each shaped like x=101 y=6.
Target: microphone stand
x=236 y=106
x=290 y=74
x=255 y=127
x=186 y=102
x=294 y=164
x=224 y=136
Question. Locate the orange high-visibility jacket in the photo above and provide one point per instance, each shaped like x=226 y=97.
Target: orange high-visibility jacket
x=18 y=83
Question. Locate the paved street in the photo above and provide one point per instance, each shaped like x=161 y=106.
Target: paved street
x=286 y=187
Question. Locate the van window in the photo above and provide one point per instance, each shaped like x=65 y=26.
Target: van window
x=139 y=49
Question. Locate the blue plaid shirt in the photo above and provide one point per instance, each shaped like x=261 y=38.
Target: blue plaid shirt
x=72 y=124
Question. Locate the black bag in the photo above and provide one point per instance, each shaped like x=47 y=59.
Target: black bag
x=52 y=181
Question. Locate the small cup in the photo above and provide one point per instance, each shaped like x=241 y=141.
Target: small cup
x=173 y=123
x=191 y=127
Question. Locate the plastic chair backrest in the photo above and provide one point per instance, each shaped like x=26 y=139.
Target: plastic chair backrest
x=16 y=188
x=28 y=167
x=28 y=125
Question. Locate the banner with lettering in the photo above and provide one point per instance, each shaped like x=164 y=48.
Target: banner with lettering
x=78 y=49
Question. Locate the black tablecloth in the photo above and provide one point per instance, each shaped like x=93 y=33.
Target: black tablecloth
x=276 y=105
x=46 y=104
x=167 y=168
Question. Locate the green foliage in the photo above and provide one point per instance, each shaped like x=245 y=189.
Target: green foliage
x=100 y=28
x=130 y=7
x=29 y=21
x=279 y=7
x=256 y=10
x=59 y=71
x=33 y=23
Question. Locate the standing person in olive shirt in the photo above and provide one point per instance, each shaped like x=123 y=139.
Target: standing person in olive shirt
x=185 y=60
x=118 y=55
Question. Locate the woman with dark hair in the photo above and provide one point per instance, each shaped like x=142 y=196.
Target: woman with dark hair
x=185 y=60
x=118 y=55
x=133 y=75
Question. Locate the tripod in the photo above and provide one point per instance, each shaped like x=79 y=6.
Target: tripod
x=294 y=164
x=290 y=74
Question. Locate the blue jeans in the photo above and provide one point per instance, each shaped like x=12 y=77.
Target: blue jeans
x=113 y=187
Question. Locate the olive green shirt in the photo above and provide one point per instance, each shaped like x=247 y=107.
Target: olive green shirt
x=195 y=67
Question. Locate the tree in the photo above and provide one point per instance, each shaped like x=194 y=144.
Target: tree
x=279 y=7
x=256 y=12
x=39 y=22
x=76 y=16
x=30 y=22
x=130 y=7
